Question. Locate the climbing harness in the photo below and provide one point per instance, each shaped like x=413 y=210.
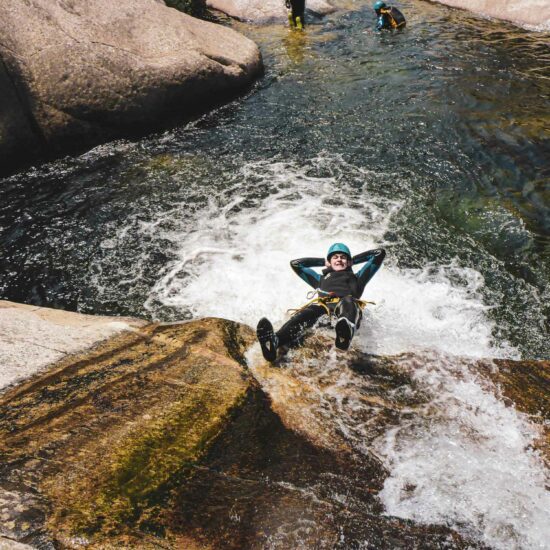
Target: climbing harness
x=324 y=299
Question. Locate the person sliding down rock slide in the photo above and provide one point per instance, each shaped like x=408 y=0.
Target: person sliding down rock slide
x=296 y=9
x=338 y=291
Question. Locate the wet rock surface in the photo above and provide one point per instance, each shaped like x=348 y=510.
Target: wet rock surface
x=74 y=74
x=264 y=11
x=525 y=385
x=164 y=438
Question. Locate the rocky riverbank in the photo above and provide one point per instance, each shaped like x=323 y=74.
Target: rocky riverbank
x=163 y=437
x=531 y=14
x=265 y=11
x=76 y=74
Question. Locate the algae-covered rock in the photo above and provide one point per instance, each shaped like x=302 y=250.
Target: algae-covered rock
x=97 y=444
x=163 y=438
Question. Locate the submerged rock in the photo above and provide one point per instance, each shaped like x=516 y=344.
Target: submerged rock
x=81 y=72
x=464 y=441
x=525 y=385
x=264 y=11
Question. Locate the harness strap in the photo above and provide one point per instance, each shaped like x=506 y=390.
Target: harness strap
x=323 y=301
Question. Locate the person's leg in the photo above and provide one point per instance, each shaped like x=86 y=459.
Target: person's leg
x=299 y=323
x=289 y=333
x=349 y=315
x=268 y=340
x=298 y=9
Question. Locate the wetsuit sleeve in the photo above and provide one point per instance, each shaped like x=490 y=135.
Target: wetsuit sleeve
x=373 y=260
x=381 y=22
x=302 y=268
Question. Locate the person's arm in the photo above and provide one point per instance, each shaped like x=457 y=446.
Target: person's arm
x=302 y=268
x=381 y=23
x=373 y=260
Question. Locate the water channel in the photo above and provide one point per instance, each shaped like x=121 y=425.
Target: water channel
x=433 y=143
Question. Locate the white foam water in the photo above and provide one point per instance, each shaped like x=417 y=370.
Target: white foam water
x=232 y=261
x=464 y=460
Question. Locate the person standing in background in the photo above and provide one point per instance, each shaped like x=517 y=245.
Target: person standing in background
x=296 y=9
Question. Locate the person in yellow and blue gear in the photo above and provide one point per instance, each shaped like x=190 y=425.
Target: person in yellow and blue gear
x=296 y=11
x=339 y=290
x=388 y=17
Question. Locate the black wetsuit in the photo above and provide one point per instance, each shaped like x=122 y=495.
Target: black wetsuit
x=346 y=285
x=298 y=8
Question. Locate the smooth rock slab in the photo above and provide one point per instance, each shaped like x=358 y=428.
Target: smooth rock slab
x=96 y=445
x=33 y=337
x=532 y=14
x=74 y=73
x=263 y=11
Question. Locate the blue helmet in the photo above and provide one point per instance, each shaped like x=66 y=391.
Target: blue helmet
x=338 y=247
x=379 y=5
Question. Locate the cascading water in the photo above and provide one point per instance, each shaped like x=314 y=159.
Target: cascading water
x=234 y=243
x=400 y=141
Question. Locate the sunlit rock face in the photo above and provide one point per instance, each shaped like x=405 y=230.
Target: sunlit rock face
x=263 y=11
x=166 y=437
x=532 y=14
x=31 y=337
x=105 y=437
x=79 y=73
x=464 y=442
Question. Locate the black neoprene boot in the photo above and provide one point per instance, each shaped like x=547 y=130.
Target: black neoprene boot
x=268 y=339
x=344 y=333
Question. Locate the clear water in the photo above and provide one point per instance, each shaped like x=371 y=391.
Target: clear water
x=433 y=143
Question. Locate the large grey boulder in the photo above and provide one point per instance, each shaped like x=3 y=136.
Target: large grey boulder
x=263 y=11
x=531 y=14
x=79 y=72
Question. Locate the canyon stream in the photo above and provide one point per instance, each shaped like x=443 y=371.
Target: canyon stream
x=432 y=143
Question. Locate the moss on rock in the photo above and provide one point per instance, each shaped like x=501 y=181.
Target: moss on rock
x=107 y=436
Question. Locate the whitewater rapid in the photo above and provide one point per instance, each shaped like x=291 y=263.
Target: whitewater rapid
x=232 y=261
x=464 y=460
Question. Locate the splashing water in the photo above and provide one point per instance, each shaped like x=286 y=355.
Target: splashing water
x=232 y=261
x=460 y=459
x=466 y=460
